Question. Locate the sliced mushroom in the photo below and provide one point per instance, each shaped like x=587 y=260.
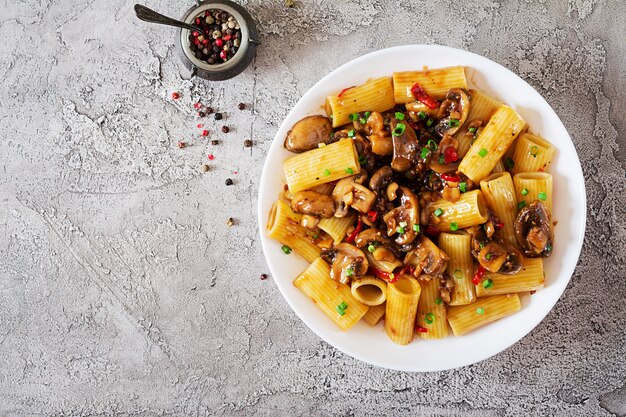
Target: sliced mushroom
x=533 y=230
x=406 y=148
x=403 y=218
x=348 y=193
x=381 y=178
x=313 y=203
x=308 y=133
x=382 y=144
x=309 y=222
x=453 y=112
x=347 y=261
x=492 y=256
x=379 y=247
x=427 y=258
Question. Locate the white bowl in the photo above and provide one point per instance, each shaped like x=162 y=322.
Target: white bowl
x=371 y=345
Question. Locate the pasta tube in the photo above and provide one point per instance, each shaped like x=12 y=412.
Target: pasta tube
x=385 y=266
x=337 y=227
x=320 y=166
x=481 y=107
x=463 y=319
x=531 y=186
x=333 y=298
x=402 y=299
x=374 y=95
x=284 y=226
x=499 y=193
x=470 y=210
x=532 y=154
x=460 y=266
x=436 y=82
x=492 y=143
x=431 y=311
x=374 y=314
x=369 y=290
x=529 y=278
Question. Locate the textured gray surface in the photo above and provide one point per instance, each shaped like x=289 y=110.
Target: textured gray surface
x=122 y=290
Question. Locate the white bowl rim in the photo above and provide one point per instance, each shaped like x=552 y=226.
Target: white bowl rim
x=574 y=246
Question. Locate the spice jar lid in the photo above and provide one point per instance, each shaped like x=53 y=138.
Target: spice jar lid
x=242 y=58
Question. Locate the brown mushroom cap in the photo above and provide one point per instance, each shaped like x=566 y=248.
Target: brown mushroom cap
x=456 y=106
x=347 y=261
x=407 y=212
x=381 y=178
x=308 y=133
x=533 y=230
x=348 y=193
x=406 y=148
x=313 y=203
x=427 y=258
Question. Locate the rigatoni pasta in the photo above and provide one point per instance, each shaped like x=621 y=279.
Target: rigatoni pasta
x=532 y=153
x=374 y=95
x=284 y=226
x=530 y=278
x=436 y=82
x=431 y=311
x=499 y=193
x=402 y=300
x=337 y=227
x=369 y=290
x=375 y=314
x=460 y=266
x=532 y=186
x=469 y=210
x=465 y=318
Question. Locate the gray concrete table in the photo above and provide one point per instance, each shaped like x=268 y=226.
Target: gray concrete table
x=124 y=291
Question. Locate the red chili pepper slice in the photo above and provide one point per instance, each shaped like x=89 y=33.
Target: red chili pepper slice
x=500 y=225
x=390 y=277
x=408 y=270
x=355 y=232
x=372 y=215
x=450 y=155
x=450 y=177
x=421 y=329
x=432 y=231
x=480 y=273
x=421 y=95
x=341 y=93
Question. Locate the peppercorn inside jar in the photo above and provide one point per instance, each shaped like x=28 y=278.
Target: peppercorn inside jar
x=220 y=38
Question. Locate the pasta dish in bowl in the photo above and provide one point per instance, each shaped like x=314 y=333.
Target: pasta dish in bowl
x=423 y=201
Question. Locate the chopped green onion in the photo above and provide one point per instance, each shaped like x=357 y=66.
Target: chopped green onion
x=454 y=226
x=399 y=130
x=534 y=151
x=425 y=153
x=326 y=172
x=441 y=160
x=521 y=205
x=316 y=236
x=349 y=272
x=458 y=274
x=286 y=249
x=421 y=115
x=542 y=196
x=362 y=120
x=371 y=248
x=416 y=228
x=354 y=116
x=429 y=122
x=403 y=224
x=343 y=305
x=438 y=300
x=454 y=122
x=367 y=114
x=399 y=115
x=524 y=191
x=438 y=212
x=432 y=145
x=483 y=152
x=472 y=130
x=482 y=245
x=463 y=186
x=332 y=116
x=429 y=318
x=488 y=256
x=488 y=283
x=480 y=310
x=509 y=163
x=341 y=311
x=351 y=133
x=400 y=230
x=549 y=247
x=321 y=145
x=362 y=160
x=349 y=171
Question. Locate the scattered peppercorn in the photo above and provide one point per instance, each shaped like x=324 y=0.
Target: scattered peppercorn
x=215 y=142
x=205 y=168
x=181 y=144
x=247 y=143
x=201 y=114
x=218 y=116
x=211 y=157
x=263 y=277
x=229 y=181
x=205 y=133
x=216 y=43
x=225 y=129
x=241 y=106
x=208 y=110
x=290 y=3
x=175 y=95
x=197 y=105
x=230 y=222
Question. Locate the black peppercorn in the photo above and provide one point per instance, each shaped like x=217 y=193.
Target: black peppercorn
x=263 y=277
x=218 y=116
x=209 y=110
x=225 y=129
x=229 y=181
x=198 y=54
x=201 y=114
x=215 y=142
x=241 y=106
x=247 y=143
x=210 y=61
